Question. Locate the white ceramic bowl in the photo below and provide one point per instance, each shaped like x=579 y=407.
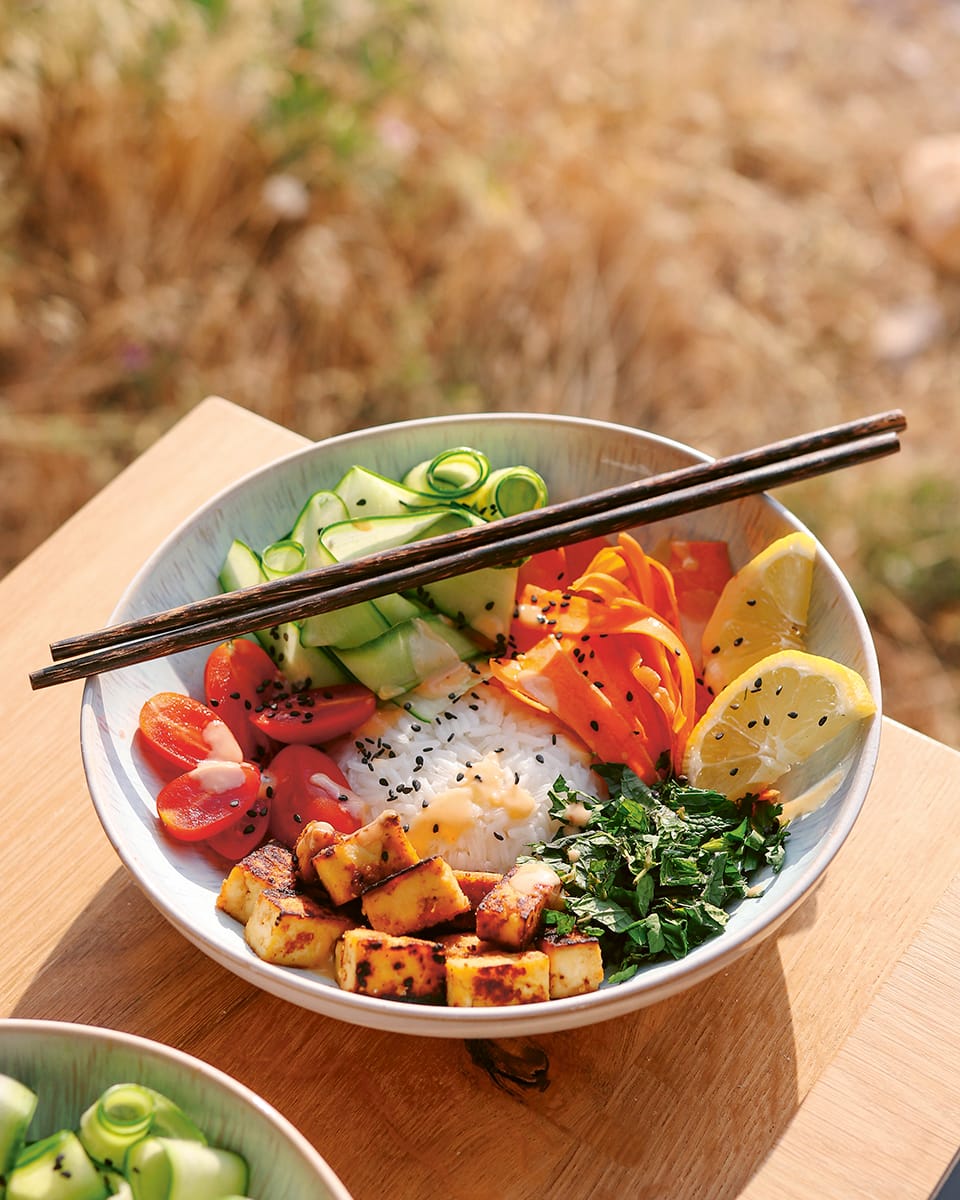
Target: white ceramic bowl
x=69 y=1066
x=576 y=456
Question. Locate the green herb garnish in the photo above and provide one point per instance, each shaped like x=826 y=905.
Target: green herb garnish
x=652 y=870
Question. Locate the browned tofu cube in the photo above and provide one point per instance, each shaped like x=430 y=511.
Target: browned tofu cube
x=293 y=931
x=459 y=945
x=316 y=836
x=511 y=912
x=487 y=980
x=269 y=866
x=359 y=860
x=476 y=884
x=378 y=964
x=576 y=964
x=418 y=897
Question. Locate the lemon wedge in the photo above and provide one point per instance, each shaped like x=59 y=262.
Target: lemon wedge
x=770 y=718
x=762 y=608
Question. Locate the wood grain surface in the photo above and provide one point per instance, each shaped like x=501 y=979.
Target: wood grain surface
x=830 y=1053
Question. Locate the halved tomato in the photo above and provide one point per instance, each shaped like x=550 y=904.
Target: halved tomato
x=247 y=834
x=209 y=800
x=315 y=716
x=238 y=678
x=178 y=731
x=700 y=570
x=303 y=784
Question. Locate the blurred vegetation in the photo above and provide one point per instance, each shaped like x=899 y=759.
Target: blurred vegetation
x=677 y=215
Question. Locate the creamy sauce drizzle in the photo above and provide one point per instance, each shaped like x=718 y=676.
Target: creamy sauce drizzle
x=486 y=787
x=533 y=876
x=218 y=776
x=223 y=745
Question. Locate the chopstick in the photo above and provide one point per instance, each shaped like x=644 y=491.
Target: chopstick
x=612 y=510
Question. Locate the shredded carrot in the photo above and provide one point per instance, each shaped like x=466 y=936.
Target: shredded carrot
x=605 y=656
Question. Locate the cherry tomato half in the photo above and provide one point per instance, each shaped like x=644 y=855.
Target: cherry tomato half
x=209 y=800
x=303 y=784
x=315 y=716
x=178 y=731
x=249 y=831
x=700 y=571
x=239 y=677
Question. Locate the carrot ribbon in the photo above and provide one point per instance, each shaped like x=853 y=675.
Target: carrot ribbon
x=605 y=657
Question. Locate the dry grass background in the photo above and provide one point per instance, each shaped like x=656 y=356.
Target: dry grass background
x=684 y=216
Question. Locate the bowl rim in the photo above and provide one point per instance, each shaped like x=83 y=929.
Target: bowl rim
x=252 y=1102
x=544 y=1016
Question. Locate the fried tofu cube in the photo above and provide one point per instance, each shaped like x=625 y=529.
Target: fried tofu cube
x=316 y=836
x=378 y=964
x=418 y=897
x=476 y=884
x=576 y=964
x=511 y=912
x=487 y=980
x=361 y=859
x=269 y=866
x=460 y=945
x=292 y=930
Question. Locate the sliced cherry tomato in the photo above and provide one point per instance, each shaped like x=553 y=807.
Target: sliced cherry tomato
x=317 y=715
x=247 y=833
x=700 y=569
x=303 y=785
x=178 y=731
x=238 y=678
x=209 y=799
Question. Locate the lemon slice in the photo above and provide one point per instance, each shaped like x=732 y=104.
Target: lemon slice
x=762 y=608
x=770 y=718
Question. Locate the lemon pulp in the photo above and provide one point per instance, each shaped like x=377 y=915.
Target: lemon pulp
x=763 y=608
x=770 y=718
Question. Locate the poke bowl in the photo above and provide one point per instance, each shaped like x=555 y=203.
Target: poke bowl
x=70 y=1067
x=574 y=457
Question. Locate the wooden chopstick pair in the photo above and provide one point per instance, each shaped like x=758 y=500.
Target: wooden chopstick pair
x=293 y=598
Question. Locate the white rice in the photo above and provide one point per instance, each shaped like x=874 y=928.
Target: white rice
x=471 y=785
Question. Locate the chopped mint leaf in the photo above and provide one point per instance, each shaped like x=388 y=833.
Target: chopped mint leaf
x=654 y=869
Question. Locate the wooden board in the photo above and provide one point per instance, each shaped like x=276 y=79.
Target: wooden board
x=810 y=1054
